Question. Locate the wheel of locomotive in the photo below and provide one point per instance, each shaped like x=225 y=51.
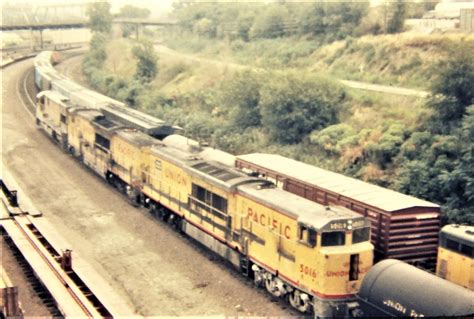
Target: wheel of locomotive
x=174 y=221
x=154 y=210
x=274 y=285
x=258 y=275
x=300 y=301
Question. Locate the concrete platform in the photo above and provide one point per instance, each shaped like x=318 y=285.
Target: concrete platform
x=42 y=268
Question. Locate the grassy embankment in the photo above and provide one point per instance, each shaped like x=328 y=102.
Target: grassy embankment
x=406 y=59
x=371 y=130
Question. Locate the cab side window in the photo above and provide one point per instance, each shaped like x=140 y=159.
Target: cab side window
x=308 y=236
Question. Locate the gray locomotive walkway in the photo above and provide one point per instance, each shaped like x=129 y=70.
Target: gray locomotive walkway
x=161 y=49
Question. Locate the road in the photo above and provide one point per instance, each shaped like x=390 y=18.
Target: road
x=161 y=49
x=157 y=271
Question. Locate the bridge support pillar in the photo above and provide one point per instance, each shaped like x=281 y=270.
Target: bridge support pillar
x=41 y=38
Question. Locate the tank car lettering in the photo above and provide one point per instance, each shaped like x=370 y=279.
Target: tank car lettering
x=413 y=313
x=395 y=305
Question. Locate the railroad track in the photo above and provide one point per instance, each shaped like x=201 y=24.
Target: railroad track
x=50 y=272
x=40 y=290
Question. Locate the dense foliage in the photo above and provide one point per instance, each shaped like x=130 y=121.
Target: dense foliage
x=146 y=61
x=439 y=161
x=423 y=150
x=100 y=19
x=326 y=21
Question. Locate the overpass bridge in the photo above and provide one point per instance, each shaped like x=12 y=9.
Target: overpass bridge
x=59 y=16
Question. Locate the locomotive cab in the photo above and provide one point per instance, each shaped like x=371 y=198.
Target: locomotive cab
x=333 y=259
x=51 y=115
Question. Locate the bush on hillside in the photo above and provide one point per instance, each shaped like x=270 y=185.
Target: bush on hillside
x=293 y=106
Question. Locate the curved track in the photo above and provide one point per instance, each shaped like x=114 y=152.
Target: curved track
x=155 y=269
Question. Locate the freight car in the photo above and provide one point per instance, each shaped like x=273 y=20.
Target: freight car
x=47 y=78
x=403 y=227
x=395 y=289
x=456 y=255
x=314 y=255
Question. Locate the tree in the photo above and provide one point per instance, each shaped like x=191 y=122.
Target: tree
x=396 y=22
x=130 y=11
x=146 y=61
x=453 y=90
x=205 y=27
x=241 y=96
x=333 y=21
x=293 y=106
x=100 y=19
x=460 y=203
x=271 y=24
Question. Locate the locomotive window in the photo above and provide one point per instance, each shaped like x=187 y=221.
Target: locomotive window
x=308 y=236
x=467 y=250
x=336 y=238
x=452 y=245
x=219 y=203
x=209 y=198
x=102 y=141
x=199 y=192
x=360 y=235
x=312 y=237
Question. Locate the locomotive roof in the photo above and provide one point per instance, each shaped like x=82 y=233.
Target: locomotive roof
x=138 y=120
x=193 y=146
x=212 y=172
x=376 y=196
x=89 y=114
x=463 y=232
x=137 y=138
x=302 y=209
x=54 y=96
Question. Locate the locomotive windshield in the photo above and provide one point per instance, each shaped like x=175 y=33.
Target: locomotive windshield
x=335 y=238
x=360 y=235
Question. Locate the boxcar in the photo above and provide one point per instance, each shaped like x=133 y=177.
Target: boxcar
x=403 y=227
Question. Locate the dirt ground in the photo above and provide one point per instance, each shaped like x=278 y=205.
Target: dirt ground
x=157 y=271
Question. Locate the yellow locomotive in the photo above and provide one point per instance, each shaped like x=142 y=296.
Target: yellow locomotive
x=456 y=255
x=314 y=255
